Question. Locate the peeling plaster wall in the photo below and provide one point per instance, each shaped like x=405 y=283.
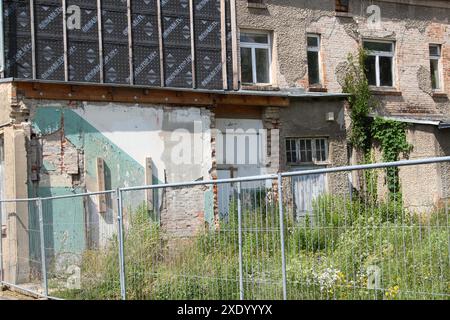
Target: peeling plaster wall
x=413 y=28
x=424 y=188
x=307 y=119
x=68 y=137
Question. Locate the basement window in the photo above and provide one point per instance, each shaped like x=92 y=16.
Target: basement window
x=255 y=58
x=306 y=150
x=379 y=64
x=435 y=66
x=314 y=60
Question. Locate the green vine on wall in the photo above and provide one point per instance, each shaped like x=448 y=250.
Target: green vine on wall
x=391 y=135
x=361 y=102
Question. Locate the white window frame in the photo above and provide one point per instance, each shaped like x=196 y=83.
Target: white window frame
x=253 y=47
x=377 y=55
x=438 y=57
x=318 y=50
x=313 y=150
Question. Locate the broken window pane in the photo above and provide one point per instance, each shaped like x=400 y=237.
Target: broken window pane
x=246 y=65
x=313 y=68
x=262 y=66
x=435 y=79
x=370 y=68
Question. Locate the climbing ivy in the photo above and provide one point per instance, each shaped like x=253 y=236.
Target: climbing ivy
x=360 y=100
x=391 y=135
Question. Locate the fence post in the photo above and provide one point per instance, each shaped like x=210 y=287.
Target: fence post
x=42 y=242
x=241 y=273
x=123 y=290
x=283 y=252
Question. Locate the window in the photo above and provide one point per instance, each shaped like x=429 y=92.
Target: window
x=255 y=58
x=342 y=5
x=435 y=66
x=303 y=151
x=314 y=60
x=379 y=63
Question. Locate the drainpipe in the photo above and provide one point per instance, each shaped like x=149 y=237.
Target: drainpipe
x=2 y=42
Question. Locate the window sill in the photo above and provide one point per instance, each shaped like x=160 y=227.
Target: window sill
x=439 y=95
x=259 y=87
x=310 y=164
x=343 y=14
x=317 y=89
x=385 y=91
x=257 y=5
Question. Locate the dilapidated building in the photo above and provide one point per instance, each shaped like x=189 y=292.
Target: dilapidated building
x=101 y=95
x=98 y=95
x=408 y=68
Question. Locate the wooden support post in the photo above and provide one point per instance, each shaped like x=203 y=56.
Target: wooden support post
x=33 y=39
x=101 y=185
x=65 y=41
x=160 y=42
x=234 y=44
x=223 y=40
x=130 y=42
x=100 y=40
x=192 y=24
x=149 y=181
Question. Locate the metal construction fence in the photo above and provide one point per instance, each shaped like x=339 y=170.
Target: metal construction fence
x=359 y=232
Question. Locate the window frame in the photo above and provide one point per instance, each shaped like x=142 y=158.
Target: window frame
x=297 y=151
x=317 y=49
x=253 y=46
x=438 y=58
x=377 y=55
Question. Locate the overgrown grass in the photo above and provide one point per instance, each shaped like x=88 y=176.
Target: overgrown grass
x=331 y=254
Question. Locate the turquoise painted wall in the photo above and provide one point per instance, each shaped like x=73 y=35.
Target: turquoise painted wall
x=65 y=218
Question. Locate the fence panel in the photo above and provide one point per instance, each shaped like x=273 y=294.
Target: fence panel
x=81 y=246
x=343 y=233
x=261 y=245
x=21 y=253
x=358 y=240
x=175 y=248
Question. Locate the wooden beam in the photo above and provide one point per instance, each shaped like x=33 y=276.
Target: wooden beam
x=234 y=45
x=129 y=94
x=149 y=182
x=160 y=42
x=100 y=40
x=237 y=112
x=192 y=29
x=223 y=43
x=33 y=40
x=130 y=42
x=101 y=185
x=66 y=58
